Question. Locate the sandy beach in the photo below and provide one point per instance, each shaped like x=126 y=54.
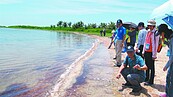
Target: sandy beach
x=99 y=76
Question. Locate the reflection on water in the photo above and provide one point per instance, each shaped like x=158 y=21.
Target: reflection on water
x=32 y=60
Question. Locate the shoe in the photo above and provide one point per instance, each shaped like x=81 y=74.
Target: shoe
x=114 y=58
x=163 y=95
x=127 y=84
x=148 y=83
x=117 y=65
x=136 y=90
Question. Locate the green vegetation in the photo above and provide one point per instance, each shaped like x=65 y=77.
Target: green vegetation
x=80 y=27
x=76 y=27
x=2 y=26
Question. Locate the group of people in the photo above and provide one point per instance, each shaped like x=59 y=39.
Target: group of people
x=138 y=65
x=103 y=32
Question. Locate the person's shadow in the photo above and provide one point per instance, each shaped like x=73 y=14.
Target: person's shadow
x=159 y=87
x=143 y=91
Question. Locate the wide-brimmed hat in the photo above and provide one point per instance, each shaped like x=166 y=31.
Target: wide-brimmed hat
x=151 y=23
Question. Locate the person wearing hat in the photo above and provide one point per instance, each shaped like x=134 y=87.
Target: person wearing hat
x=133 y=70
x=141 y=39
x=120 y=34
x=150 y=51
x=168 y=34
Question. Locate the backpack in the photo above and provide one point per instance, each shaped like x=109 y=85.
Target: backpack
x=159 y=48
x=160 y=45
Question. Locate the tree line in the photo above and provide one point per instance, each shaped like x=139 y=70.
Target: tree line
x=91 y=28
x=81 y=24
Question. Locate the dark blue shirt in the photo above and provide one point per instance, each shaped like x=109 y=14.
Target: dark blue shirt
x=132 y=36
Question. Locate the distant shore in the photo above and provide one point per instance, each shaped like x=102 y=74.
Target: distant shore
x=89 y=31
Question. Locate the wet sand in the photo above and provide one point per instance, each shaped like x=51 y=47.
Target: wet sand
x=97 y=78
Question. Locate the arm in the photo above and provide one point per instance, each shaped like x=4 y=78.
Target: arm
x=141 y=65
x=155 y=41
x=144 y=45
x=139 y=39
x=137 y=66
x=170 y=61
x=114 y=35
x=119 y=71
x=124 y=35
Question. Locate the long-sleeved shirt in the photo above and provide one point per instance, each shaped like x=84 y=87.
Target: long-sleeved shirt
x=141 y=37
x=155 y=41
x=170 y=61
x=132 y=36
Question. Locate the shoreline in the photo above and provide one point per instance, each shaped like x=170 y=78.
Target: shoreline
x=69 y=77
x=113 y=85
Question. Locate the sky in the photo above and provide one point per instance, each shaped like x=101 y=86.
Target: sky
x=49 y=12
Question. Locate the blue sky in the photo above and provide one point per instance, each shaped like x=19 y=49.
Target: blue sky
x=49 y=12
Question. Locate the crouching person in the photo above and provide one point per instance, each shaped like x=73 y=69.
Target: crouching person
x=133 y=70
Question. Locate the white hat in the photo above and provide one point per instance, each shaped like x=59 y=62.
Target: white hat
x=151 y=22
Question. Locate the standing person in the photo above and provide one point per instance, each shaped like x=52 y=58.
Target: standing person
x=131 y=40
x=133 y=70
x=104 y=32
x=112 y=39
x=168 y=34
x=150 y=52
x=141 y=39
x=101 y=31
x=120 y=37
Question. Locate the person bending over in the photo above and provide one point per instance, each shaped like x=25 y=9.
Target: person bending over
x=133 y=70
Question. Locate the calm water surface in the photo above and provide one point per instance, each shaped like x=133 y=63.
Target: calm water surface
x=31 y=61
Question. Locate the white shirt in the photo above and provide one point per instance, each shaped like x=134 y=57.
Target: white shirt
x=141 y=37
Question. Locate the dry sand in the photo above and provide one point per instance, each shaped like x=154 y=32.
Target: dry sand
x=100 y=78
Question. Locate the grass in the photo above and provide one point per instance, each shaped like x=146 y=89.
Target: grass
x=92 y=31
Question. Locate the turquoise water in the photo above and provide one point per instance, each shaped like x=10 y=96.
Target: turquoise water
x=31 y=61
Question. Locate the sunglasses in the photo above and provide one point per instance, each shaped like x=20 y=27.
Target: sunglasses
x=150 y=26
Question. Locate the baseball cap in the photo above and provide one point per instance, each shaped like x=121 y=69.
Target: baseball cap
x=141 y=24
x=151 y=23
x=119 y=21
x=130 y=49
